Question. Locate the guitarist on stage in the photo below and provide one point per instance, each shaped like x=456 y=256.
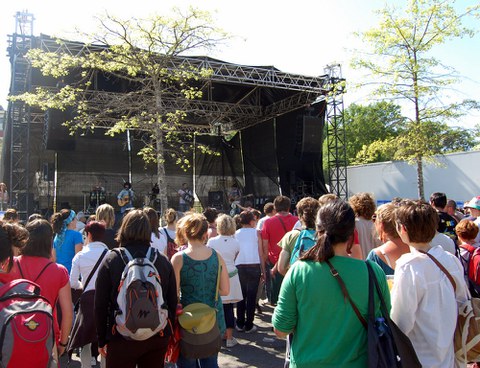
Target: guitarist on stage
x=125 y=197
x=185 y=201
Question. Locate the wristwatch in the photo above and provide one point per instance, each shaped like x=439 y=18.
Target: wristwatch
x=63 y=345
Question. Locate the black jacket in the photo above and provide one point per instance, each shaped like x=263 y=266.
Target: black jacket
x=107 y=283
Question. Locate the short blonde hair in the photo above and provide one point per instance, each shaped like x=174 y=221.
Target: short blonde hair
x=226 y=225
x=106 y=213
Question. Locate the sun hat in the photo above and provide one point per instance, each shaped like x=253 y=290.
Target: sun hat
x=473 y=203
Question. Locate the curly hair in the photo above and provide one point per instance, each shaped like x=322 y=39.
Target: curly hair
x=363 y=205
x=466 y=230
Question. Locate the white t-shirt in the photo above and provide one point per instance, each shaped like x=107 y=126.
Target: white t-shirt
x=248 y=239
x=157 y=243
x=261 y=222
x=444 y=241
x=424 y=305
x=228 y=247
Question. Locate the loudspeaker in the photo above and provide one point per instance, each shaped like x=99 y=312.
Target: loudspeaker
x=309 y=135
x=215 y=199
x=312 y=135
x=58 y=136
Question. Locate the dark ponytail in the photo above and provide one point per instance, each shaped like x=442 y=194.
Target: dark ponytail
x=335 y=224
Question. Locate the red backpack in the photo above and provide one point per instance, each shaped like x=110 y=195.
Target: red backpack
x=27 y=337
x=470 y=257
x=172 y=247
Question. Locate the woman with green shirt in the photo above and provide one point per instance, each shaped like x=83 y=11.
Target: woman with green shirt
x=327 y=332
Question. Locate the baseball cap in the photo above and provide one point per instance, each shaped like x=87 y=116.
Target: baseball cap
x=473 y=203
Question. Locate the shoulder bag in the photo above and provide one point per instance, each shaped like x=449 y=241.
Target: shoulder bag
x=388 y=346
x=467 y=332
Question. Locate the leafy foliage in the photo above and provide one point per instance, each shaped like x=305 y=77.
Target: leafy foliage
x=402 y=68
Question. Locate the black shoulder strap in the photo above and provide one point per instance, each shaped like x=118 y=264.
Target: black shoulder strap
x=40 y=273
x=169 y=239
x=94 y=268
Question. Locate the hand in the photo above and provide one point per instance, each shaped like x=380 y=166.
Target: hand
x=273 y=271
x=61 y=350
x=103 y=351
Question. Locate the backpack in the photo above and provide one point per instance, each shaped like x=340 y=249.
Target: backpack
x=470 y=258
x=171 y=245
x=306 y=240
x=141 y=309
x=27 y=337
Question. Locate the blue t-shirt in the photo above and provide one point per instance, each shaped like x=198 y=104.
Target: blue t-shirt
x=66 y=251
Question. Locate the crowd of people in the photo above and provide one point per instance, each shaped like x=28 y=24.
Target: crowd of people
x=295 y=256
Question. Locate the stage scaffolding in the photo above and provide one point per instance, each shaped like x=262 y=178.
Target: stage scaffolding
x=252 y=105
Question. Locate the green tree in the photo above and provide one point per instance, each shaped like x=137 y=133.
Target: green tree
x=441 y=139
x=139 y=53
x=403 y=68
x=367 y=124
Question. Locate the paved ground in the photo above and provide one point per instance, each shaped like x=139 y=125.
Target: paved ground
x=260 y=349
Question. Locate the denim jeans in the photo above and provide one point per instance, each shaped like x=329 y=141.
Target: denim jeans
x=249 y=277
x=210 y=362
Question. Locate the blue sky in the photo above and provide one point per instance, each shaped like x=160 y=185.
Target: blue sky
x=297 y=37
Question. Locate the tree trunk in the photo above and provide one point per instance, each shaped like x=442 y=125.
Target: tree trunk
x=161 y=177
x=421 y=192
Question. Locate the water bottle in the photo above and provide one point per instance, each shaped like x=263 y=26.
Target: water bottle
x=380 y=326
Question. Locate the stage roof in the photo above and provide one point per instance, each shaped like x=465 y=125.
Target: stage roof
x=235 y=96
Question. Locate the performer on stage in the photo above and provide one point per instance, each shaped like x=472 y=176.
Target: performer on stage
x=3 y=196
x=185 y=201
x=97 y=196
x=125 y=197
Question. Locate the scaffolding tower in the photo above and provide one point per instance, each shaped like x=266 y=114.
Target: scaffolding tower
x=18 y=116
x=336 y=138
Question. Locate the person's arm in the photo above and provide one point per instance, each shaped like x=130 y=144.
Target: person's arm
x=75 y=273
x=285 y=314
x=54 y=255
x=177 y=263
x=78 y=242
x=65 y=302
x=265 y=250
x=283 y=262
x=224 y=287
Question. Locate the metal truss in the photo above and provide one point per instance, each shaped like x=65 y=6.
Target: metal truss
x=336 y=138
x=221 y=71
x=207 y=114
x=18 y=116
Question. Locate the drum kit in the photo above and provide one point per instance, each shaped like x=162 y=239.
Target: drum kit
x=95 y=197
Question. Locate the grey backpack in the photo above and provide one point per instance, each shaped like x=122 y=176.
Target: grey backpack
x=141 y=309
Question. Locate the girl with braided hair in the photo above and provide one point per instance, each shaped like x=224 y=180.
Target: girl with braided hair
x=327 y=330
